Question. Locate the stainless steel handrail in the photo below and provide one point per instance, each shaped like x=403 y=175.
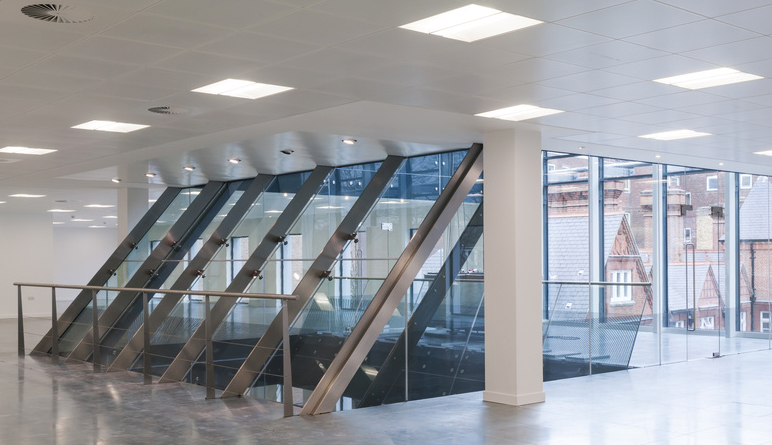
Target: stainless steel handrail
x=599 y=283
x=146 y=334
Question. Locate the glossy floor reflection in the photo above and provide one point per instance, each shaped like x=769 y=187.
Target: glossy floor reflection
x=711 y=401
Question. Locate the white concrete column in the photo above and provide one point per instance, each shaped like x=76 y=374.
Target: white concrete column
x=513 y=291
x=132 y=205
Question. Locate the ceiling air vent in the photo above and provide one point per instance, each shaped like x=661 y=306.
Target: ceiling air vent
x=57 y=13
x=168 y=110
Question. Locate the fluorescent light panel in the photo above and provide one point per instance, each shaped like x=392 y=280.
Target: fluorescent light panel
x=115 y=127
x=709 y=78
x=519 y=113
x=26 y=150
x=81 y=220
x=764 y=153
x=471 y=23
x=245 y=89
x=61 y=211
x=99 y=206
x=673 y=135
x=26 y=195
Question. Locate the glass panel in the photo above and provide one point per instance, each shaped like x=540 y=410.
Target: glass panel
x=566 y=307
x=755 y=303
x=625 y=327
x=119 y=335
x=82 y=323
x=188 y=313
x=328 y=318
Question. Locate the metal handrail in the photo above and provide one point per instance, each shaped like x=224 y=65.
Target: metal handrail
x=598 y=283
x=146 y=334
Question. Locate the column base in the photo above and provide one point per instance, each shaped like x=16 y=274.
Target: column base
x=514 y=400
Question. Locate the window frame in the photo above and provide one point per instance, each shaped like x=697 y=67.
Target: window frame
x=750 y=180
x=621 y=294
x=707 y=183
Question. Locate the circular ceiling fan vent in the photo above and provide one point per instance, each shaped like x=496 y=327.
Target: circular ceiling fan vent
x=168 y=110
x=57 y=13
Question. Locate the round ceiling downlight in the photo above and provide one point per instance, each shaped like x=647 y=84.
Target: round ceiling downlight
x=168 y=110
x=57 y=13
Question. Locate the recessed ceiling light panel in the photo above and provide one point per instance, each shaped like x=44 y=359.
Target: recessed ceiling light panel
x=763 y=153
x=519 y=113
x=26 y=150
x=349 y=141
x=471 y=23
x=245 y=89
x=189 y=168
x=675 y=134
x=114 y=127
x=26 y=195
x=709 y=78
x=234 y=160
x=99 y=206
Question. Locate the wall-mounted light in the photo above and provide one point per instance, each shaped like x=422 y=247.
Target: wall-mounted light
x=116 y=180
x=189 y=168
x=349 y=141
x=150 y=174
x=234 y=160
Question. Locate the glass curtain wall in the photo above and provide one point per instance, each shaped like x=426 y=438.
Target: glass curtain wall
x=714 y=243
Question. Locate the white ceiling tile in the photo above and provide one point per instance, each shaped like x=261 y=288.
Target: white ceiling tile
x=551 y=10
x=589 y=81
x=473 y=84
x=228 y=13
x=724 y=107
x=756 y=20
x=606 y=54
x=473 y=58
x=628 y=19
x=680 y=99
x=161 y=78
x=209 y=64
x=714 y=8
x=23 y=36
x=659 y=67
x=735 y=53
x=659 y=117
x=305 y=101
x=575 y=121
x=392 y=12
x=49 y=81
x=591 y=137
x=83 y=67
x=427 y=98
x=15 y=59
x=576 y=102
x=131 y=91
x=317 y=28
x=335 y=61
x=263 y=48
x=408 y=74
x=363 y=89
x=118 y=50
x=159 y=30
x=692 y=36
x=402 y=44
x=278 y=75
x=621 y=109
x=637 y=91
x=531 y=94
x=544 y=39
x=743 y=90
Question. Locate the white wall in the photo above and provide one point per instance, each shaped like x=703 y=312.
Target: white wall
x=78 y=254
x=26 y=247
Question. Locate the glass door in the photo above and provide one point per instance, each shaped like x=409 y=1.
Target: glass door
x=694 y=296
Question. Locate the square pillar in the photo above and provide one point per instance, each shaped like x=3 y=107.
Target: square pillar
x=513 y=262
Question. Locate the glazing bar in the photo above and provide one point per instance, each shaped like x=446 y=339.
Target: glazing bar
x=287 y=384
x=148 y=379
x=255 y=263
x=95 y=332
x=209 y=351
x=396 y=360
x=307 y=286
x=365 y=333
x=21 y=324
x=112 y=264
x=54 y=328
x=209 y=249
x=148 y=274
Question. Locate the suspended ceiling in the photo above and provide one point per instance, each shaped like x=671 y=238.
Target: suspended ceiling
x=356 y=74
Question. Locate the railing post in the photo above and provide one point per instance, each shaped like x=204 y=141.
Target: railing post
x=287 y=386
x=209 y=351
x=21 y=325
x=54 y=328
x=96 y=356
x=148 y=379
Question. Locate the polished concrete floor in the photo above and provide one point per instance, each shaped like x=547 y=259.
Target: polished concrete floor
x=711 y=401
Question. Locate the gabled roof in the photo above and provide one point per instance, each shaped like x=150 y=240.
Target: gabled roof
x=569 y=255
x=755 y=212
